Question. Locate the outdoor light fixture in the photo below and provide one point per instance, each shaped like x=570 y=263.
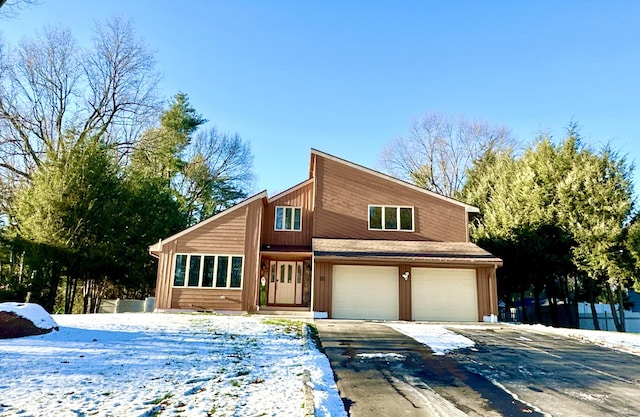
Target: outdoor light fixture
x=405 y=275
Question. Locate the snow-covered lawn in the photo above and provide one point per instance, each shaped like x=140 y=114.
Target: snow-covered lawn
x=166 y=364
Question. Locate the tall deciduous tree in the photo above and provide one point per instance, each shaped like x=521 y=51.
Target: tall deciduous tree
x=438 y=151
x=54 y=96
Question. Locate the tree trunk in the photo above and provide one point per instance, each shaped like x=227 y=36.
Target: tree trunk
x=623 y=325
x=592 y=301
x=536 y=306
x=523 y=304
x=70 y=294
x=612 y=303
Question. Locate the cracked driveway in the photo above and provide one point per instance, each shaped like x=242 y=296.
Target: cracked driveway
x=511 y=371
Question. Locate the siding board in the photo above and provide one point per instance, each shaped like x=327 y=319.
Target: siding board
x=344 y=194
x=298 y=197
x=209 y=299
x=487 y=300
x=252 y=256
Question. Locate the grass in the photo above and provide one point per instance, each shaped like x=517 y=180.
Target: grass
x=290 y=326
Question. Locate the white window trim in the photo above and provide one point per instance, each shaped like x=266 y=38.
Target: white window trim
x=293 y=216
x=384 y=207
x=201 y=271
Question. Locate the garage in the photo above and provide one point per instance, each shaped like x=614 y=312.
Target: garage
x=443 y=294
x=365 y=292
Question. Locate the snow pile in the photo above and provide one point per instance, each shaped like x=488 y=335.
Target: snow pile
x=31 y=312
x=436 y=337
x=626 y=342
x=178 y=364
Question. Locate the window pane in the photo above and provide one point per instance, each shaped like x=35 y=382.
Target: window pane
x=391 y=218
x=281 y=273
x=221 y=276
x=406 y=218
x=273 y=272
x=181 y=270
x=207 y=272
x=279 y=214
x=236 y=272
x=194 y=271
x=297 y=219
x=299 y=274
x=375 y=217
x=287 y=218
x=290 y=274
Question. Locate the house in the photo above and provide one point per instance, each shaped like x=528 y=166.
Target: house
x=348 y=242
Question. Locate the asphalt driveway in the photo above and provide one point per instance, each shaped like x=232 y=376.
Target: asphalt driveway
x=381 y=372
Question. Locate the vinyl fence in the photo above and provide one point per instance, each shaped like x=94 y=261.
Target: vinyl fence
x=127 y=306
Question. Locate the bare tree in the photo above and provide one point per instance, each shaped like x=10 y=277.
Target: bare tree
x=217 y=174
x=54 y=96
x=438 y=151
x=9 y=8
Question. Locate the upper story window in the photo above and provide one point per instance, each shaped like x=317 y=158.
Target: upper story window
x=391 y=218
x=288 y=218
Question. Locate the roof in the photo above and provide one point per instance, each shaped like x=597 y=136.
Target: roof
x=468 y=208
x=158 y=246
x=439 y=252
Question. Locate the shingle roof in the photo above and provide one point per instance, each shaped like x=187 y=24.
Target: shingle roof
x=439 y=252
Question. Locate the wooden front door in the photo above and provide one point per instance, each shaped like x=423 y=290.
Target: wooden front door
x=285 y=283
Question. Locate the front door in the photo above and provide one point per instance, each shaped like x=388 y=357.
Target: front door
x=285 y=283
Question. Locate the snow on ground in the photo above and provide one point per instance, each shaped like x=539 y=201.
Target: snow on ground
x=165 y=364
x=626 y=342
x=33 y=312
x=435 y=336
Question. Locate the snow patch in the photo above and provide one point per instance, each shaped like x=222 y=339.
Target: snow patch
x=436 y=337
x=386 y=356
x=157 y=363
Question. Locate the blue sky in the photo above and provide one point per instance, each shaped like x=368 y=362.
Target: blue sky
x=347 y=77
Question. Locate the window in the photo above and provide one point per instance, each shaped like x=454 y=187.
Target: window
x=194 y=271
x=289 y=218
x=181 y=270
x=208 y=271
x=391 y=218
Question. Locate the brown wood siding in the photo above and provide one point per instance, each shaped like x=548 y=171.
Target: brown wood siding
x=344 y=194
x=201 y=299
x=225 y=235
x=302 y=197
x=405 y=293
x=487 y=292
x=252 y=256
x=322 y=286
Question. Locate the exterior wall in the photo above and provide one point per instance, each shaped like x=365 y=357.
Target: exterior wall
x=251 y=252
x=487 y=292
x=344 y=194
x=234 y=233
x=323 y=284
x=301 y=197
x=405 y=293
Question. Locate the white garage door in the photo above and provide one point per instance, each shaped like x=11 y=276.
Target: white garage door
x=440 y=294
x=365 y=292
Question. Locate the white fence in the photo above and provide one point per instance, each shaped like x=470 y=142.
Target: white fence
x=127 y=306
x=605 y=320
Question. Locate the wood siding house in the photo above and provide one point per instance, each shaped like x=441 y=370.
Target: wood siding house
x=348 y=242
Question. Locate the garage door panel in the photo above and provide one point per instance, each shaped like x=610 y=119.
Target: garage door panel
x=439 y=294
x=365 y=292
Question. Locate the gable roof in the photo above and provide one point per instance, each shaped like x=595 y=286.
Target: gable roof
x=468 y=208
x=157 y=247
